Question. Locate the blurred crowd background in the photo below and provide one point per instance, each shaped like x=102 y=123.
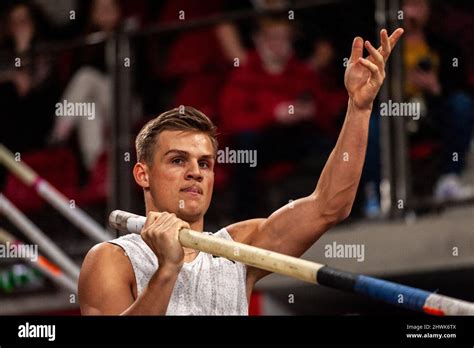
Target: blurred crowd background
x=242 y=63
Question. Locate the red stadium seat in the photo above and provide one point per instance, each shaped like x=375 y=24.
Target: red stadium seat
x=96 y=189
x=57 y=166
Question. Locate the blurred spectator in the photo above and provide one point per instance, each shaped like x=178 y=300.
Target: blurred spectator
x=263 y=91
x=28 y=89
x=454 y=21
x=270 y=104
x=329 y=75
x=439 y=86
x=433 y=80
x=199 y=60
x=91 y=84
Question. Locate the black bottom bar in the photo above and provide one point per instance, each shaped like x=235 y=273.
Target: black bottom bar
x=138 y=331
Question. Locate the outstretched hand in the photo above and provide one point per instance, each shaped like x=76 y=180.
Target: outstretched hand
x=364 y=76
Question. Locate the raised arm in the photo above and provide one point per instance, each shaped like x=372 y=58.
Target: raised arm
x=295 y=227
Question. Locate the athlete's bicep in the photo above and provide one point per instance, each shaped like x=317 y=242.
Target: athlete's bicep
x=290 y=230
x=105 y=282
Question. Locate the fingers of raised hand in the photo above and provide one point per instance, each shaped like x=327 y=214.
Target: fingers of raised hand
x=375 y=73
x=388 y=42
x=376 y=55
x=386 y=48
x=357 y=49
x=396 y=35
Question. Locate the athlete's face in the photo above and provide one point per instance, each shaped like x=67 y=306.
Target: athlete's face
x=181 y=177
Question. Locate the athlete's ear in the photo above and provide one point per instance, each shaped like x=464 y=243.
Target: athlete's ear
x=140 y=173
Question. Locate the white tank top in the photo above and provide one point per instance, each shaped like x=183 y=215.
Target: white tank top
x=208 y=285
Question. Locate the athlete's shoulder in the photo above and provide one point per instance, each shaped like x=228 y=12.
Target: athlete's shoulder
x=106 y=281
x=103 y=258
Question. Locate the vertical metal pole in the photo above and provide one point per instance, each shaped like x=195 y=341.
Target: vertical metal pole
x=110 y=55
x=120 y=177
x=125 y=149
x=399 y=124
x=386 y=179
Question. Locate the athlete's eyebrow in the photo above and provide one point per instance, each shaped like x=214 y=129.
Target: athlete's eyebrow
x=186 y=154
x=207 y=157
x=176 y=151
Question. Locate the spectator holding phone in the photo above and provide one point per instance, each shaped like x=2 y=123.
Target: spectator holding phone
x=271 y=104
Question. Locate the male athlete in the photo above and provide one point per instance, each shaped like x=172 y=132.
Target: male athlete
x=153 y=274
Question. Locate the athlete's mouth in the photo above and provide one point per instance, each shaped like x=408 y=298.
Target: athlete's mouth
x=192 y=189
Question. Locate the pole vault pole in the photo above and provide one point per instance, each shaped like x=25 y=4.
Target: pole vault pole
x=312 y=272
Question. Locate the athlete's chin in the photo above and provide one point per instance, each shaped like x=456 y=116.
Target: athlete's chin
x=192 y=213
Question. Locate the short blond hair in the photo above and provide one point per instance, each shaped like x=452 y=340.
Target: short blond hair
x=185 y=118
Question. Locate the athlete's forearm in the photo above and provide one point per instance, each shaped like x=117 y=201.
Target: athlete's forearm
x=337 y=185
x=156 y=296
